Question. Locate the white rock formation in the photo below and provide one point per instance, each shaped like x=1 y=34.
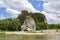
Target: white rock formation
x=29 y=24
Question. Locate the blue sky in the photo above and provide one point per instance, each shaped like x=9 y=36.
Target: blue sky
x=38 y=5
x=50 y=8
x=5 y=14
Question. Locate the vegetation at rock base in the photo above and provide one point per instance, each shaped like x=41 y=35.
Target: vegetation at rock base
x=15 y=23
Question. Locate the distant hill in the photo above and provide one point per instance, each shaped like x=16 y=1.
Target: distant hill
x=38 y=17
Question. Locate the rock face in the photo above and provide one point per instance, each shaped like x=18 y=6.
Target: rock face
x=29 y=24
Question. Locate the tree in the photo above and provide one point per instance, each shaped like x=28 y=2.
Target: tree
x=23 y=15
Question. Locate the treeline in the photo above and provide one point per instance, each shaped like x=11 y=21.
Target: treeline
x=53 y=26
x=9 y=24
x=15 y=23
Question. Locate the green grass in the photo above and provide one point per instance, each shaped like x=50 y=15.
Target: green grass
x=23 y=37
x=2 y=34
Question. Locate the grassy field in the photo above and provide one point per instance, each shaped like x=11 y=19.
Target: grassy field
x=4 y=36
x=22 y=37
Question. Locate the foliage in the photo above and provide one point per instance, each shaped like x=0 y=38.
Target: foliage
x=54 y=26
x=23 y=15
x=10 y=24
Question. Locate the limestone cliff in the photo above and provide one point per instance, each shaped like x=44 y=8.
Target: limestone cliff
x=29 y=24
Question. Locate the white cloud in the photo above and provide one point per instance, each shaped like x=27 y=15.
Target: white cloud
x=52 y=11
x=12 y=11
x=14 y=6
x=19 y=5
x=1 y=4
x=2 y=17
